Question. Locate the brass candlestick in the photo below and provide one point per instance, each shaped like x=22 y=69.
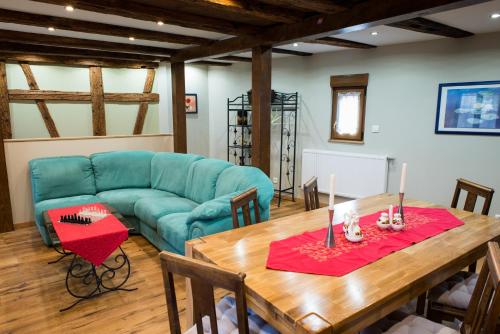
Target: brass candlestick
x=400 y=208
x=330 y=236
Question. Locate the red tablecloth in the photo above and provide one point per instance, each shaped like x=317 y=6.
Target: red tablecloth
x=306 y=253
x=93 y=242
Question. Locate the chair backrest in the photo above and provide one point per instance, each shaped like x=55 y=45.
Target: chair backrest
x=204 y=277
x=311 y=196
x=243 y=201
x=484 y=305
x=473 y=191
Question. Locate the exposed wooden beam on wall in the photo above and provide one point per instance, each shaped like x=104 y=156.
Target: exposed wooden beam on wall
x=145 y=12
x=5 y=123
x=50 y=95
x=143 y=107
x=291 y=52
x=6 y=221
x=235 y=58
x=321 y=6
x=333 y=41
x=80 y=43
x=360 y=16
x=97 y=96
x=37 y=20
x=179 y=107
x=261 y=108
x=426 y=26
x=42 y=106
x=75 y=61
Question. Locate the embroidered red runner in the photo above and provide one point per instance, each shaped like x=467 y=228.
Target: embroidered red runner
x=93 y=242
x=305 y=253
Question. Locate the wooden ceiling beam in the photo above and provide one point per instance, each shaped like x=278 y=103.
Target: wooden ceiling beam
x=333 y=41
x=11 y=16
x=145 y=12
x=320 y=6
x=291 y=52
x=360 y=16
x=235 y=58
x=426 y=26
x=210 y=63
x=79 y=43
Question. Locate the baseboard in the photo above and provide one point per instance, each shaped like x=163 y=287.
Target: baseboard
x=22 y=225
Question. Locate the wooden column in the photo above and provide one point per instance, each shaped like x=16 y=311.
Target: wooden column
x=261 y=108
x=6 y=222
x=97 y=97
x=179 y=107
x=143 y=107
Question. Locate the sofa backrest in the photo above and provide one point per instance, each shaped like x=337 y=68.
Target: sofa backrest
x=202 y=178
x=241 y=178
x=169 y=171
x=122 y=169
x=61 y=177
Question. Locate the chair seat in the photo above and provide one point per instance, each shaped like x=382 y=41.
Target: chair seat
x=455 y=291
x=227 y=322
x=417 y=325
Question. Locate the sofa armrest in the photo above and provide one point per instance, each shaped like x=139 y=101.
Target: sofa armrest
x=217 y=208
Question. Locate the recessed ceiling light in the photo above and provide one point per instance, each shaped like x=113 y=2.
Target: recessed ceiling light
x=495 y=15
x=374 y=33
x=51 y=29
x=69 y=8
x=160 y=23
x=131 y=38
x=295 y=44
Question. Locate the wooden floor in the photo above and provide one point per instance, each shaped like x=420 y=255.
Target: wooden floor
x=32 y=291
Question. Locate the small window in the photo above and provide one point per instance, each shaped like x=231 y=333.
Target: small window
x=348 y=107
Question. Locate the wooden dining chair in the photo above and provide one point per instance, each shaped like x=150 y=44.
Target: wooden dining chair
x=473 y=191
x=243 y=201
x=482 y=314
x=311 y=197
x=204 y=278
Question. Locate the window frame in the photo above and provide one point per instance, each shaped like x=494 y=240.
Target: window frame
x=342 y=84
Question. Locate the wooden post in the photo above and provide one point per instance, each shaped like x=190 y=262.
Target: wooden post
x=42 y=106
x=143 y=107
x=261 y=108
x=6 y=222
x=179 y=107
x=97 y=97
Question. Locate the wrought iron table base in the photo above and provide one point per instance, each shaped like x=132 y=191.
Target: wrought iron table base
x=89 y=275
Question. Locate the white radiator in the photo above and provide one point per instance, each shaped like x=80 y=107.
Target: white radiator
x=357 y=175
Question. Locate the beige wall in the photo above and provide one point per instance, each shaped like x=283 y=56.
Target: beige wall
x=18 y=152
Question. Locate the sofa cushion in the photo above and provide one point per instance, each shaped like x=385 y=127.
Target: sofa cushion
x=149 y=210
x=55 y=203
x=173 y=228
x=202 y=177
x=217 y=208
x=124 y=200
x=61 y=177
x=122 y=169
x=169 y=171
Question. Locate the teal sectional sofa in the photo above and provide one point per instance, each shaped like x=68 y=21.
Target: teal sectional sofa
x=168 y=197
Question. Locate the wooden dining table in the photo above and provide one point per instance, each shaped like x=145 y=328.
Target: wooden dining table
x=305 y=303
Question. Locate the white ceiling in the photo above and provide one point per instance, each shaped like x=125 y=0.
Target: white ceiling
x=475 y=19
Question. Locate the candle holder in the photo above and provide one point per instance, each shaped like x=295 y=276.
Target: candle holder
x=330 y=236
x=400 y=208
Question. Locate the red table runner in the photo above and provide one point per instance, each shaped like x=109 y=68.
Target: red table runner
x=93 y=242
x=306 y=253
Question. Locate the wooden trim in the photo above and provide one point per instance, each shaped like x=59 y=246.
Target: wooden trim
x=350 y=80
x=97 y=96
x=143 y=107
x=42 y=106
x=426 y=26
x=23 y=140
x=50 y=95
x=6 y=128
x=179 y=107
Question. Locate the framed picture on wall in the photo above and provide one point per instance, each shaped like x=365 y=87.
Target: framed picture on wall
x=471 y=108
x=191 y=103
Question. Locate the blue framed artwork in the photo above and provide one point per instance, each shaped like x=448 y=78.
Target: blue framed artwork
x=469 y=108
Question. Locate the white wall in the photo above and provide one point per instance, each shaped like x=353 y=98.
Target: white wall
x=402 y=98
x=19 y=152
x=197 y=124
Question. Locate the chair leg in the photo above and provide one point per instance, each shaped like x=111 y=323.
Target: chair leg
x=421 y=301
x=472 y=267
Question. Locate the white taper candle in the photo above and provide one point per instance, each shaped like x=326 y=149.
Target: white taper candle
x=403 y=178
x=390 y=213
x=332 y=192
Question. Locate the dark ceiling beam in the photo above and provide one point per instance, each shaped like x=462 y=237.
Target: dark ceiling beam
x=320 y=6
x=426 y=26
x=235 y=58
x=145 y=12
x=332 y=41
x=291 y=52
x=10 y=16
x=8 y=47
x=360 y=16
x=79 y=43
x=210 y=63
